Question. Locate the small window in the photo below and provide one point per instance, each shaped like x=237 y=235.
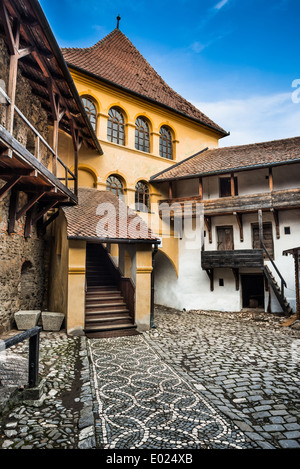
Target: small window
x=225 y=187
x=142 y=197
x=166 y=143
x=115 y=185
x=91 y=110
x=142 y=135
x=115 y=127
x=287 y=230
x=221 y=282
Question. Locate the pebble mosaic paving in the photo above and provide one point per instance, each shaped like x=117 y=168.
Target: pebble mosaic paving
x=144 y=403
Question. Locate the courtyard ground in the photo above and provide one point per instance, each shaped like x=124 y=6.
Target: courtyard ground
x=197 y=381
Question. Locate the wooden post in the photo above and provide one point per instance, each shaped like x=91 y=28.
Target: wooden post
x=261 y=229
x=271 y=180
x=232 y=185
x=296 y=258
x=13 y=73
x=170 y=190
x=201 y=188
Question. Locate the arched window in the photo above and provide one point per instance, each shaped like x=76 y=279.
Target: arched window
x=166 y=143
x=142 y=135
x=115 y=185
x=142 y=197
x=115 y=126
x=91 y=110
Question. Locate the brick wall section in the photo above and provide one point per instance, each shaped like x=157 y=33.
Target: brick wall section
x=23 y=276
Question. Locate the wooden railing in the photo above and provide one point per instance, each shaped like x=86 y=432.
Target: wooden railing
x=232 y=259
x=39 y=143
x=238 y=204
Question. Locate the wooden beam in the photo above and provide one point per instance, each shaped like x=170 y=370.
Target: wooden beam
x=276 y=220
x=50 y=220
x=10 y=40
x=261 y=227
x=13 y=206
x=29 y=204
x=9 y=185
x=296 y=259
x=201 y=188
x=28 y=224
x=237 y=278
x=210 y=273
x=43 y=212
x=239 y=219
x=232 y=185
x=170 y=190
x=208 y=226
x=271 y=180
x=12 y=80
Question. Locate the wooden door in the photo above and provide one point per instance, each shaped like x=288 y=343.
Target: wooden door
x=225 y=238
x=267 y=238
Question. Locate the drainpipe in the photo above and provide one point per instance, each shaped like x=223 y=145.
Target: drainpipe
x=152 y=325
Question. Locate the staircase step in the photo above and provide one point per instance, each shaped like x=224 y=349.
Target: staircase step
x=112 y=327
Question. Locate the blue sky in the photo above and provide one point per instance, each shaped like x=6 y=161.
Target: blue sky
x=236 y=60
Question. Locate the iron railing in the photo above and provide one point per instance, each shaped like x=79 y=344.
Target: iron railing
x=34 y=345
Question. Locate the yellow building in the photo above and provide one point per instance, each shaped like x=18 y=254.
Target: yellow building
x=144 y=127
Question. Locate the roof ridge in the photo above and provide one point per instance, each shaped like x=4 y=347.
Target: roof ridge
x=116 y=59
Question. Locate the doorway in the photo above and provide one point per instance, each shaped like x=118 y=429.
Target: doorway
x=225 y=238
x=253 y=291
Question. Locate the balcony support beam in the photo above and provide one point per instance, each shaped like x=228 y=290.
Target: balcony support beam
x=208 y=226
x=239 y=219
x=276 y=220
x=236 y=274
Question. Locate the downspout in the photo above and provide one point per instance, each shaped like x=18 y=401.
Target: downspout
x=155 y=251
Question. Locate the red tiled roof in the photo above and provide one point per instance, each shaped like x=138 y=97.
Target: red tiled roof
x=102 y=215
x=117 y=60
x=224 y=160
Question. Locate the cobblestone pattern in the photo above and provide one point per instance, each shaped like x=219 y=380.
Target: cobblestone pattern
x=62 y=418
x=249 y=371
x=143 y=403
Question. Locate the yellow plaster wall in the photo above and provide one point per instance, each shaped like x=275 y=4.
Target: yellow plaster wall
x=76 y=287
x=143 y=287
x=130 y=164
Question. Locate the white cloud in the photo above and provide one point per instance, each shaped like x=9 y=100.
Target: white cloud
x=255 y=119
x=221 y=4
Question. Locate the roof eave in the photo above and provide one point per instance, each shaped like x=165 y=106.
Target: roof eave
x=229 y=170
x=64 y=68
x=222 y=133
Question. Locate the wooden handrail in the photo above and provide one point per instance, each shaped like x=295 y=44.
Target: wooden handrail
x=41 y=139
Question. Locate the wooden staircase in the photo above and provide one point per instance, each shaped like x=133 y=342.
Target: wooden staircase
x=279 y=291
x=107 y=313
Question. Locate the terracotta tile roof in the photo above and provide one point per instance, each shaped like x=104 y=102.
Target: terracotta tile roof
x=117 y=60
x=84 y=222
x=243 y=157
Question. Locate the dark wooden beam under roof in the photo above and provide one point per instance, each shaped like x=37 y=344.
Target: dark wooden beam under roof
x=46 y=57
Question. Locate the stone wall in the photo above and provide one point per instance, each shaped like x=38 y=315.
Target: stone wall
x=23 y=280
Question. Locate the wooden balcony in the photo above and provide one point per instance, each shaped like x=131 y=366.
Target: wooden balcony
x=232 y=259
x=275 y=200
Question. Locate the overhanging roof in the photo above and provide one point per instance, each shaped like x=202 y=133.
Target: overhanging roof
x=45 y=67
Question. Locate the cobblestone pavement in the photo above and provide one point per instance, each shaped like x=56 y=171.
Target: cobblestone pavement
x=249 y=370
x=196 y=381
